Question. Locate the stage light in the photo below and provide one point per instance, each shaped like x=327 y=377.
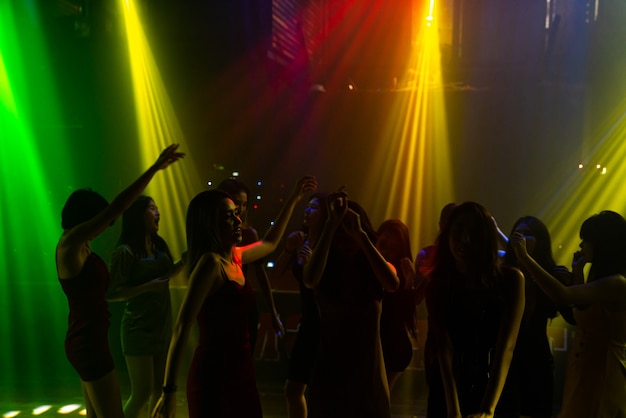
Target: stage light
x=68 y=409
x=40 y=410
x=158 y=126
x=413 y=164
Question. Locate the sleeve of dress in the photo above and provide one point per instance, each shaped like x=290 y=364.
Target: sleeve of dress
x=121 y=265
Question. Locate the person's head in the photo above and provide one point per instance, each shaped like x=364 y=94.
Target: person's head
x=315 y=214
x=239 y=193
x=212 y=225
x=81 y=206
x=140 y=220
x=393 y=241
x=538 y=241
x=444 y=215
x=468 y=241
x=604 y=244
x=343 y=241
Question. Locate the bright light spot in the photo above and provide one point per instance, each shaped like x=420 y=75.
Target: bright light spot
x=255 y=206
x=40 y=410
x=259 y=183
x=598 y=166
x=272 y=223
x=235 y=173
x=603 y=170
x=270 y=264
x=83 y=412
x=11 y=414
x=210 y=183
x=580 y=165
x=68 y=409
x=258 y=197
x=350 y=87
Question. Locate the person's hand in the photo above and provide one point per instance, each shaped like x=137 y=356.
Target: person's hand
x=277 y=324
x=168 y=156
x=578 y=261
x=294 y=240
x=306 y=184
x=165 y=406
x=518 y=243
x=304 y=253
x=158 y=284
x=337 y=207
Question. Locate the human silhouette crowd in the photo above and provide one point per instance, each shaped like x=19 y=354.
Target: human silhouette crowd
x=489 y=296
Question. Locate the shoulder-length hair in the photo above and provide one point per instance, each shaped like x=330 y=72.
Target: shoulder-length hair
x=606 y=231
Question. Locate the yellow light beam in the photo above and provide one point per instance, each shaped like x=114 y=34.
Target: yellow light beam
x=158 y=127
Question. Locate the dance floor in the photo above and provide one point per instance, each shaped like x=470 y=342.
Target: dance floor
x=64 y=398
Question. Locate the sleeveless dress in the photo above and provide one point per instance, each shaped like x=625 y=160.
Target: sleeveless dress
x=304 y=351
x=221 y=381
x=147 y=319
x=349 y=378
x=595 y=378
x=87 y=339
x=472 y=319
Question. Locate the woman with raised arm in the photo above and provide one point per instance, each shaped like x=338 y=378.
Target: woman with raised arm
x=349 y=277
x=475 y=307
x=290 y=266
x=595 y=378
x=84 y=278
x=221 y=381
x=239 y=192
x=529 y=388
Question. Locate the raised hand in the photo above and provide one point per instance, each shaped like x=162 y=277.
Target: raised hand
x=337 y=206
x=306 y=184
x=518 y=243
x=165 y=406
x=168 y=156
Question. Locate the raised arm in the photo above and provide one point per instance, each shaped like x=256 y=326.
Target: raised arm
x=610 y=289
x=70 y=249
x=385 y=272
x=268 y=244
x=337 y=207
x=204 y=281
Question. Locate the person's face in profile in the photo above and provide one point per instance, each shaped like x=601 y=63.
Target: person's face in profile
x=241 y=202
x=229 y=223
x=313 y=215
x=151 y=218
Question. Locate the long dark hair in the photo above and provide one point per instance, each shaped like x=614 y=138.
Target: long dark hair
x=542 y=251
x=606 y=232
x=406 y=299
x=485 y=265
x=134 y=231
x=202 y=225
